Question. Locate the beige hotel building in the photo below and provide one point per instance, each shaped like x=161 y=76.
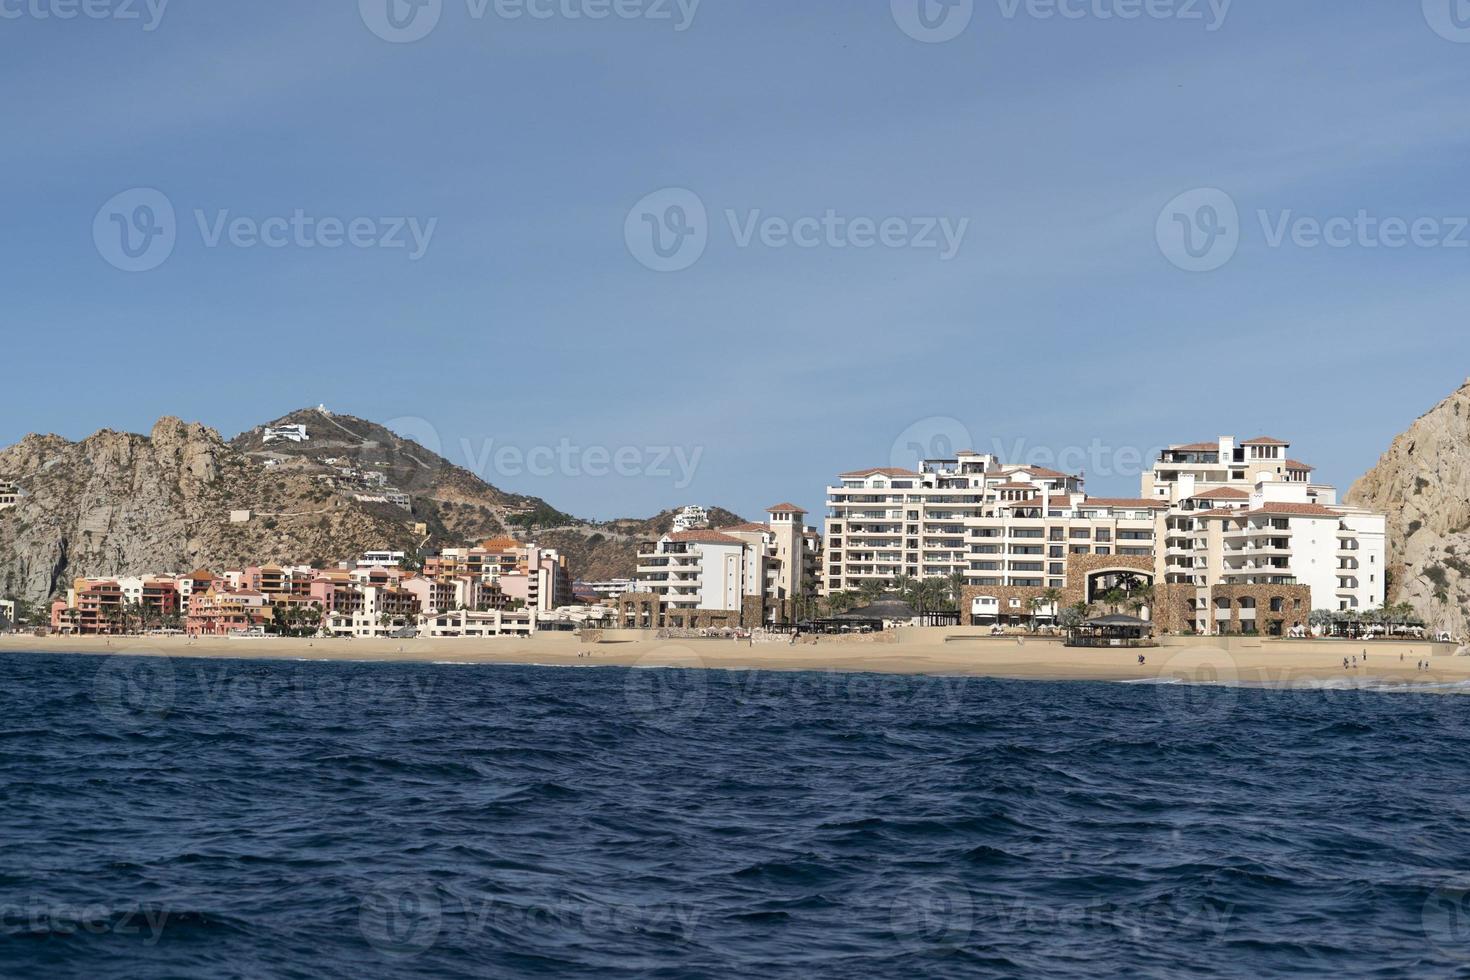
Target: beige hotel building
x=1233 y=537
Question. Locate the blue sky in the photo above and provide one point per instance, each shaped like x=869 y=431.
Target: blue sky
x=1060 y=329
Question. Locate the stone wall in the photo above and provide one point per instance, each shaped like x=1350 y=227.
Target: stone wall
x=1296 y=606
x=646 y=610
x=1172 y=609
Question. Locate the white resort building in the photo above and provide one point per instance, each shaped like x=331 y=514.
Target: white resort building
x=1220 y=531
x=743 y=575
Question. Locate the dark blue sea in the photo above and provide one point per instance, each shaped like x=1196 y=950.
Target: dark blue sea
x=189 y=818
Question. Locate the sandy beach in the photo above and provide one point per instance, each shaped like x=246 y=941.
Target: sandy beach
x=953 y=652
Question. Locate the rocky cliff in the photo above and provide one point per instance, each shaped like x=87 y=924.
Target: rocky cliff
x=122 y=504
x=119 y=504
x=1423 y=484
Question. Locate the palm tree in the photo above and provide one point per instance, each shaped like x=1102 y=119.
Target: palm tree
x=1113 y=598
x=1035 y=605
x=1053 y=599
x=955 y=583
x=1141 y=596
x=929 y=595
x=840 y=602
x=872 y=590
x=1322 y=620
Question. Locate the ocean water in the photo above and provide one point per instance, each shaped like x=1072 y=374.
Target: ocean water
x=186 y=818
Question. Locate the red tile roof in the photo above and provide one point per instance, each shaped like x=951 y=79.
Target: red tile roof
x=1292 y=464
x=1264 y=441
x=1196 y=447
x=1223 y=493
x=704 y=537
x=1042 y=473
x=880 y=471
x=1033 y=502
x=745 y=527
x=1275 y=510
x=1298 y=510
x=1123 y=502
x=785 y=509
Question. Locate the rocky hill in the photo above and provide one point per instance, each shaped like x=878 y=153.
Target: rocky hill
x=1423 y=484
x=608 y=550
x=119 y=504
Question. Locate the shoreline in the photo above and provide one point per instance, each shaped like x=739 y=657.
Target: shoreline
x=1234 y=661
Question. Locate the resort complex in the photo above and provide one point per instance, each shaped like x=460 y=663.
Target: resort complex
x=1225 y=536
x=499 y=587
x=745 y=575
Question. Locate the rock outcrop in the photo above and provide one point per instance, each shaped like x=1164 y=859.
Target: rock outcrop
x=119 y=504
x=1423 y=484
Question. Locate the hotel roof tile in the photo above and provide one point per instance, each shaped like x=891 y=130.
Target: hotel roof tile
x=1223 y=493
x=880 y=471
x=704 y=537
